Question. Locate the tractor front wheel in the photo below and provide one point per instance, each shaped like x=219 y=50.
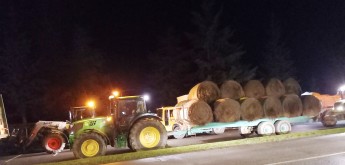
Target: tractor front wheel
x=147 y=134
x=89 y=145
x=54 y=143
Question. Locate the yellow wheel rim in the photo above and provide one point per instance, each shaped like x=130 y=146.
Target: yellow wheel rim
x=90 y=148
x=149 y=137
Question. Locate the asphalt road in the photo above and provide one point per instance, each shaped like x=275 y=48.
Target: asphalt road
x=42 y=157
x=322 y=150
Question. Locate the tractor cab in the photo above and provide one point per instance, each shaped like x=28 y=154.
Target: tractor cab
x=80 y=113
x=126 y=109
x=339 y=106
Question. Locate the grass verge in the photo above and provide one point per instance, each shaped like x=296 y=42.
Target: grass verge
x=197 y=147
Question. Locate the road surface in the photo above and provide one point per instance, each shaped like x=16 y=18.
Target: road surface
x=42 y=157
x=322 y=150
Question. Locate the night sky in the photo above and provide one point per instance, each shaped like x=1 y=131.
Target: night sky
x=128 y=31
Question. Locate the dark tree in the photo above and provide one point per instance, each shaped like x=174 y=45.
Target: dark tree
x=217 y=56
x=173 y=72
x=80 y=75
x=21 y=83
x=276 y=61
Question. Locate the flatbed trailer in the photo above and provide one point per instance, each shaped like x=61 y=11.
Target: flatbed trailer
x=263 y=126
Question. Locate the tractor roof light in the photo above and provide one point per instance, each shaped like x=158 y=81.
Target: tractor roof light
x=111 y=97
x=342 y=88
x=91 y=104
x=146 y=97
x=116 y=93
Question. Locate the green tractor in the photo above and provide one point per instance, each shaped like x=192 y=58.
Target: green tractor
x=129 y=125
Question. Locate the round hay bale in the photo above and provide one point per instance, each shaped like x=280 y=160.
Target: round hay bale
x=292 y=87
x=231 y=89
x=195 y=112
x=251 y=109
x=311 y=105
x=207 y=91
x=254 y=89
x=275 y=87
x=272 y=107
x=292 y=105
x=227 y=110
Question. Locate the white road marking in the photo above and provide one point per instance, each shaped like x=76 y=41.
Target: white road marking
x=314 y=157
x=13 y=158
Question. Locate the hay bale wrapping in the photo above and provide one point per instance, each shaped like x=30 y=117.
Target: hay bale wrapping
x=207 y=91
x=292 y=87
x=195 y=112
x=311 y=105
x=251 y=109
x=272 y=107
x=227 y=110
x=275 y=87
x=292 y=105
x=254 y=89
x=231 y=89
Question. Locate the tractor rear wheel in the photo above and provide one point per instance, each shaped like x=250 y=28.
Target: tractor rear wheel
x=147 y=134
x=89 y=145
x=54 y=143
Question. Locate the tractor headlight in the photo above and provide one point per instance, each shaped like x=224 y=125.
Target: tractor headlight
x=109 y=118
x=339 y=108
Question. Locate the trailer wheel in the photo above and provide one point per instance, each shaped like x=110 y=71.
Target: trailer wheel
x=89 y=145
x=218 y=131
x=147 y=134
x=54 y=143
x=282 y=127
x=266 y=128
x=245 y=132
x=178 y=133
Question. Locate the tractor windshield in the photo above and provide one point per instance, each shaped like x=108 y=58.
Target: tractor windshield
x=79 y=113
x=131 y=106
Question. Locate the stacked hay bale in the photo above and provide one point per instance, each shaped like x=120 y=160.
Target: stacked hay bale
x=251 y=108
x=206 y=91
x=231 y=89
x=227 y=110
x=194 y=112
x=272 y=107
x=292 y=105
x=311 y=105
x=292 y=86
x=254 y=89
x=195 y=109
x=275 y=88
x=231 y=102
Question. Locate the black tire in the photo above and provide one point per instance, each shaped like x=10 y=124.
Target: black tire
x=179 y=135
x=89 y=145
x=147 y=134
x=53 y=143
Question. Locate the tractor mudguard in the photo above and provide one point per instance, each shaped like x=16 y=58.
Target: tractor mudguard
x=145 y=115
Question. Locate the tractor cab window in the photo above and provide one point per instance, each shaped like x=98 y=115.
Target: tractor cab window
x=130 y=107
x=79 y=113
